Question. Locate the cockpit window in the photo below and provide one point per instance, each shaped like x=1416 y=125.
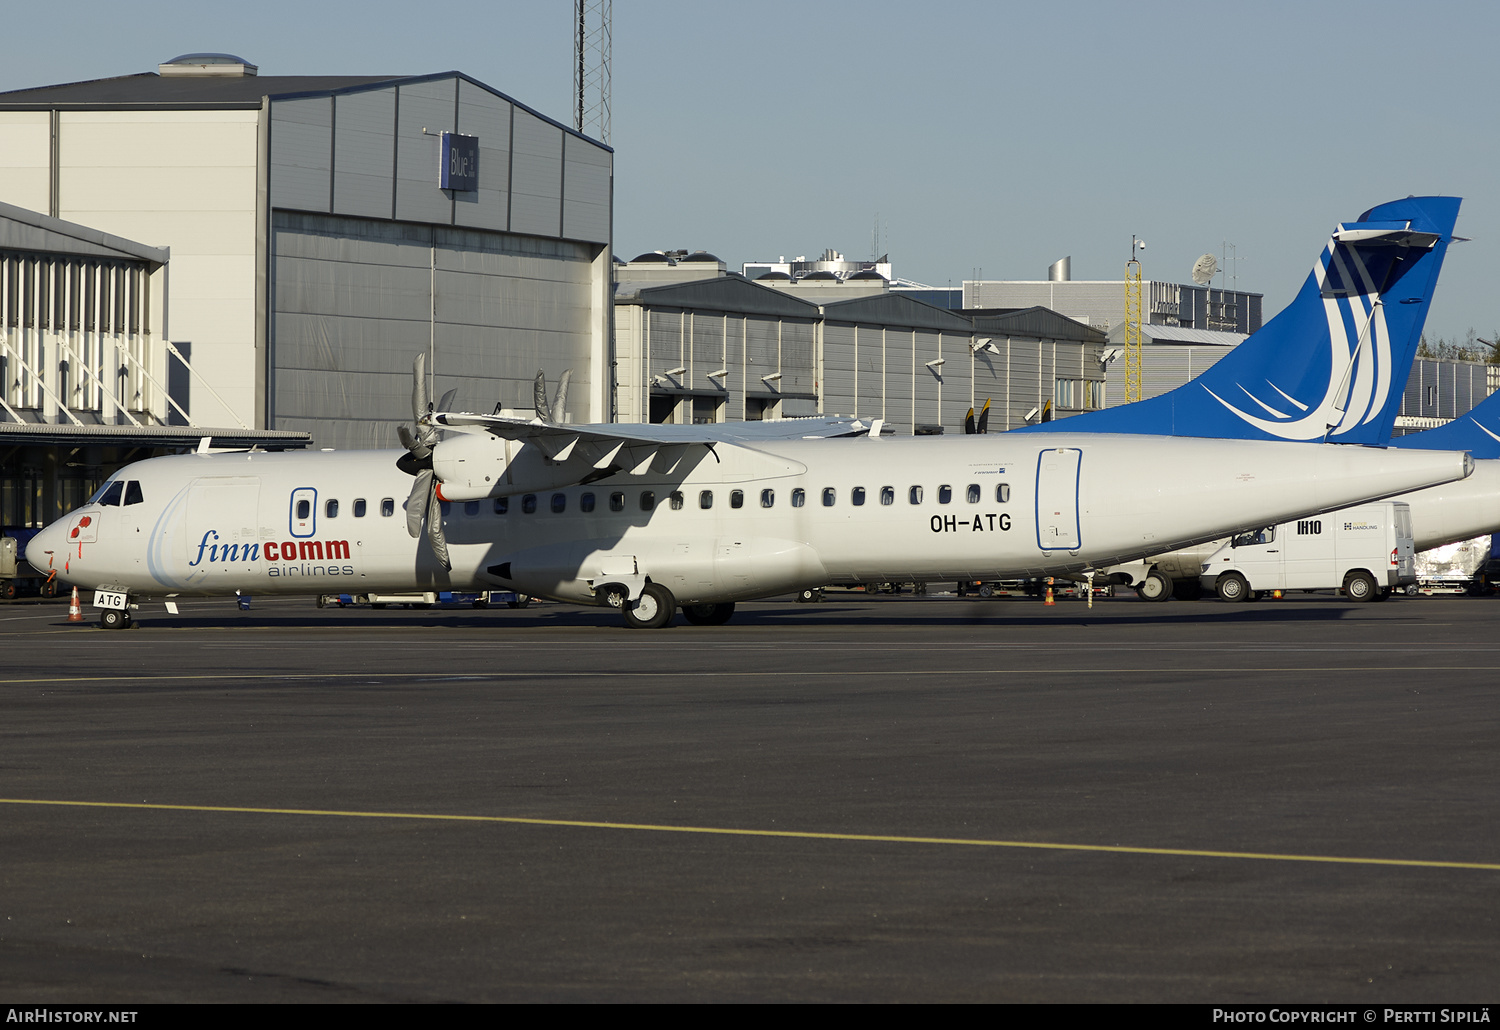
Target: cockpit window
x=104 y=488
x=111 y=493
x=133 y=493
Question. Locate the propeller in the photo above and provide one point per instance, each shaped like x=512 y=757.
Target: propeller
x=554 y=411
x=984 y=417
x=417 y=461
x=969 y=423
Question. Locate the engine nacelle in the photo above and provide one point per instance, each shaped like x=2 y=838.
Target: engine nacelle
x=473 y=466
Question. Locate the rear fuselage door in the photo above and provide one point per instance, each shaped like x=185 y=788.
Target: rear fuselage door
x=1057 y=472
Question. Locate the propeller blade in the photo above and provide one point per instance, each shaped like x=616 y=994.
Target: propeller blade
x=560 y=402
x=539 y=395
x=984 y=417
x=1047 y=412
x=446 y=403
x=415 y=445
x=969 y=423
x=416 y=502
x=435 y=535
x=419 y=402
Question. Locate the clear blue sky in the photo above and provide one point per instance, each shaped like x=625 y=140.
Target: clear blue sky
x=984 y=135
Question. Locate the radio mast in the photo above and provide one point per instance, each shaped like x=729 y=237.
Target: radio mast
x=593 y=29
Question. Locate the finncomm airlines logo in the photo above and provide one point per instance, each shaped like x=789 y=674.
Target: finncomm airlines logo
x=212 y=552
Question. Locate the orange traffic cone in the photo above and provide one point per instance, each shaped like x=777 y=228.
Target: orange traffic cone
x=1049 y=599
x=75 y=613
x=1276 y=594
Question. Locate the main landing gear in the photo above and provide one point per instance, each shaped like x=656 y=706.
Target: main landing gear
x=656 y=606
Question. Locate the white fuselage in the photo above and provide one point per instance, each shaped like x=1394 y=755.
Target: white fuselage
x=975 y=507
x=1440 y=515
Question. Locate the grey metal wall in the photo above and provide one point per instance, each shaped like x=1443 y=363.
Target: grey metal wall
x=374 y=153
x=1163 y=368
x=1445 y=389
x=354 y=300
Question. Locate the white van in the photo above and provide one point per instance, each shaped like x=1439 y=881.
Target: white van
x=1366 y=552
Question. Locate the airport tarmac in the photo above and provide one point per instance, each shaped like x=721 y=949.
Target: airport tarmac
x=882 y=799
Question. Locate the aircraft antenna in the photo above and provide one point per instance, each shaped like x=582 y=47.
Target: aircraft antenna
x=593 y=32
x=1133 y=323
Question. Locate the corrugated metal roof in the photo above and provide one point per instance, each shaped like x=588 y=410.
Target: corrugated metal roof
x=33 y=232
x=1176 y=334
x=151 y=436
x=227 y=92
x=729 y=293
x=152 y=90
x=897 y=309
x=1037 y=322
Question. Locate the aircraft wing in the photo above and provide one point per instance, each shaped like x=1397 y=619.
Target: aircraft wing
x=552 y=436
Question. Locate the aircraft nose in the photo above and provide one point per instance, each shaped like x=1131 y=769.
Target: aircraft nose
x=49 y=539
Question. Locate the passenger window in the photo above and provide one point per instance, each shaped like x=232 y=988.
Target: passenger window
x=799 y=497
x=736 y=498
x=706 y=499
x=471 y=508
x=829 y=496
x=528 y=504
x=857 y=496
x=915 y=495
x=1002 y=493
x=888 y=495
x=586 y=503
x=331 y=508
x=133 y=493
x=111 y=494
x=945 y=494
x=359 y=507
x=648 y=500
x=676 y=500
x=617 y=501
x=387 y=506
x=502 y=505
x=304 y=508
x=973 y=493
x=767 y=498
x=559 y=503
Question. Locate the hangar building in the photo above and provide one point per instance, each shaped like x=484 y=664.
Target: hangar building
x=325 y=229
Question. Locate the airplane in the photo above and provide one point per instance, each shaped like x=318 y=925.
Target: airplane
x=650 y=519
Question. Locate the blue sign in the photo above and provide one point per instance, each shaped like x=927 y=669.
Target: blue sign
x=460 y=162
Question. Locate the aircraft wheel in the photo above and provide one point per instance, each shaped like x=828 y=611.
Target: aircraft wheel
x=114 y=618
x=708 y=614
x=654 y=609
x=50 y=588
x=1360 y=586
x=521 y=601
x=1157 y=586
x=1232 y=587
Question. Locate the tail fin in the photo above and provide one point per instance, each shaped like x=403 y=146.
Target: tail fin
x=1478 y=432
x=1331 y=366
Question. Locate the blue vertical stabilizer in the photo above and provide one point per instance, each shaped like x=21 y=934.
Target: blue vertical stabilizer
x=1477 y=432
x=1331 y=366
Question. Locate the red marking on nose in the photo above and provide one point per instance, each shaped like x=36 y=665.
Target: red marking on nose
x=86 y=520
x=74 y=533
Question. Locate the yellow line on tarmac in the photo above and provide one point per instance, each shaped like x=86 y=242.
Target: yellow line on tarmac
x=792 y=834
